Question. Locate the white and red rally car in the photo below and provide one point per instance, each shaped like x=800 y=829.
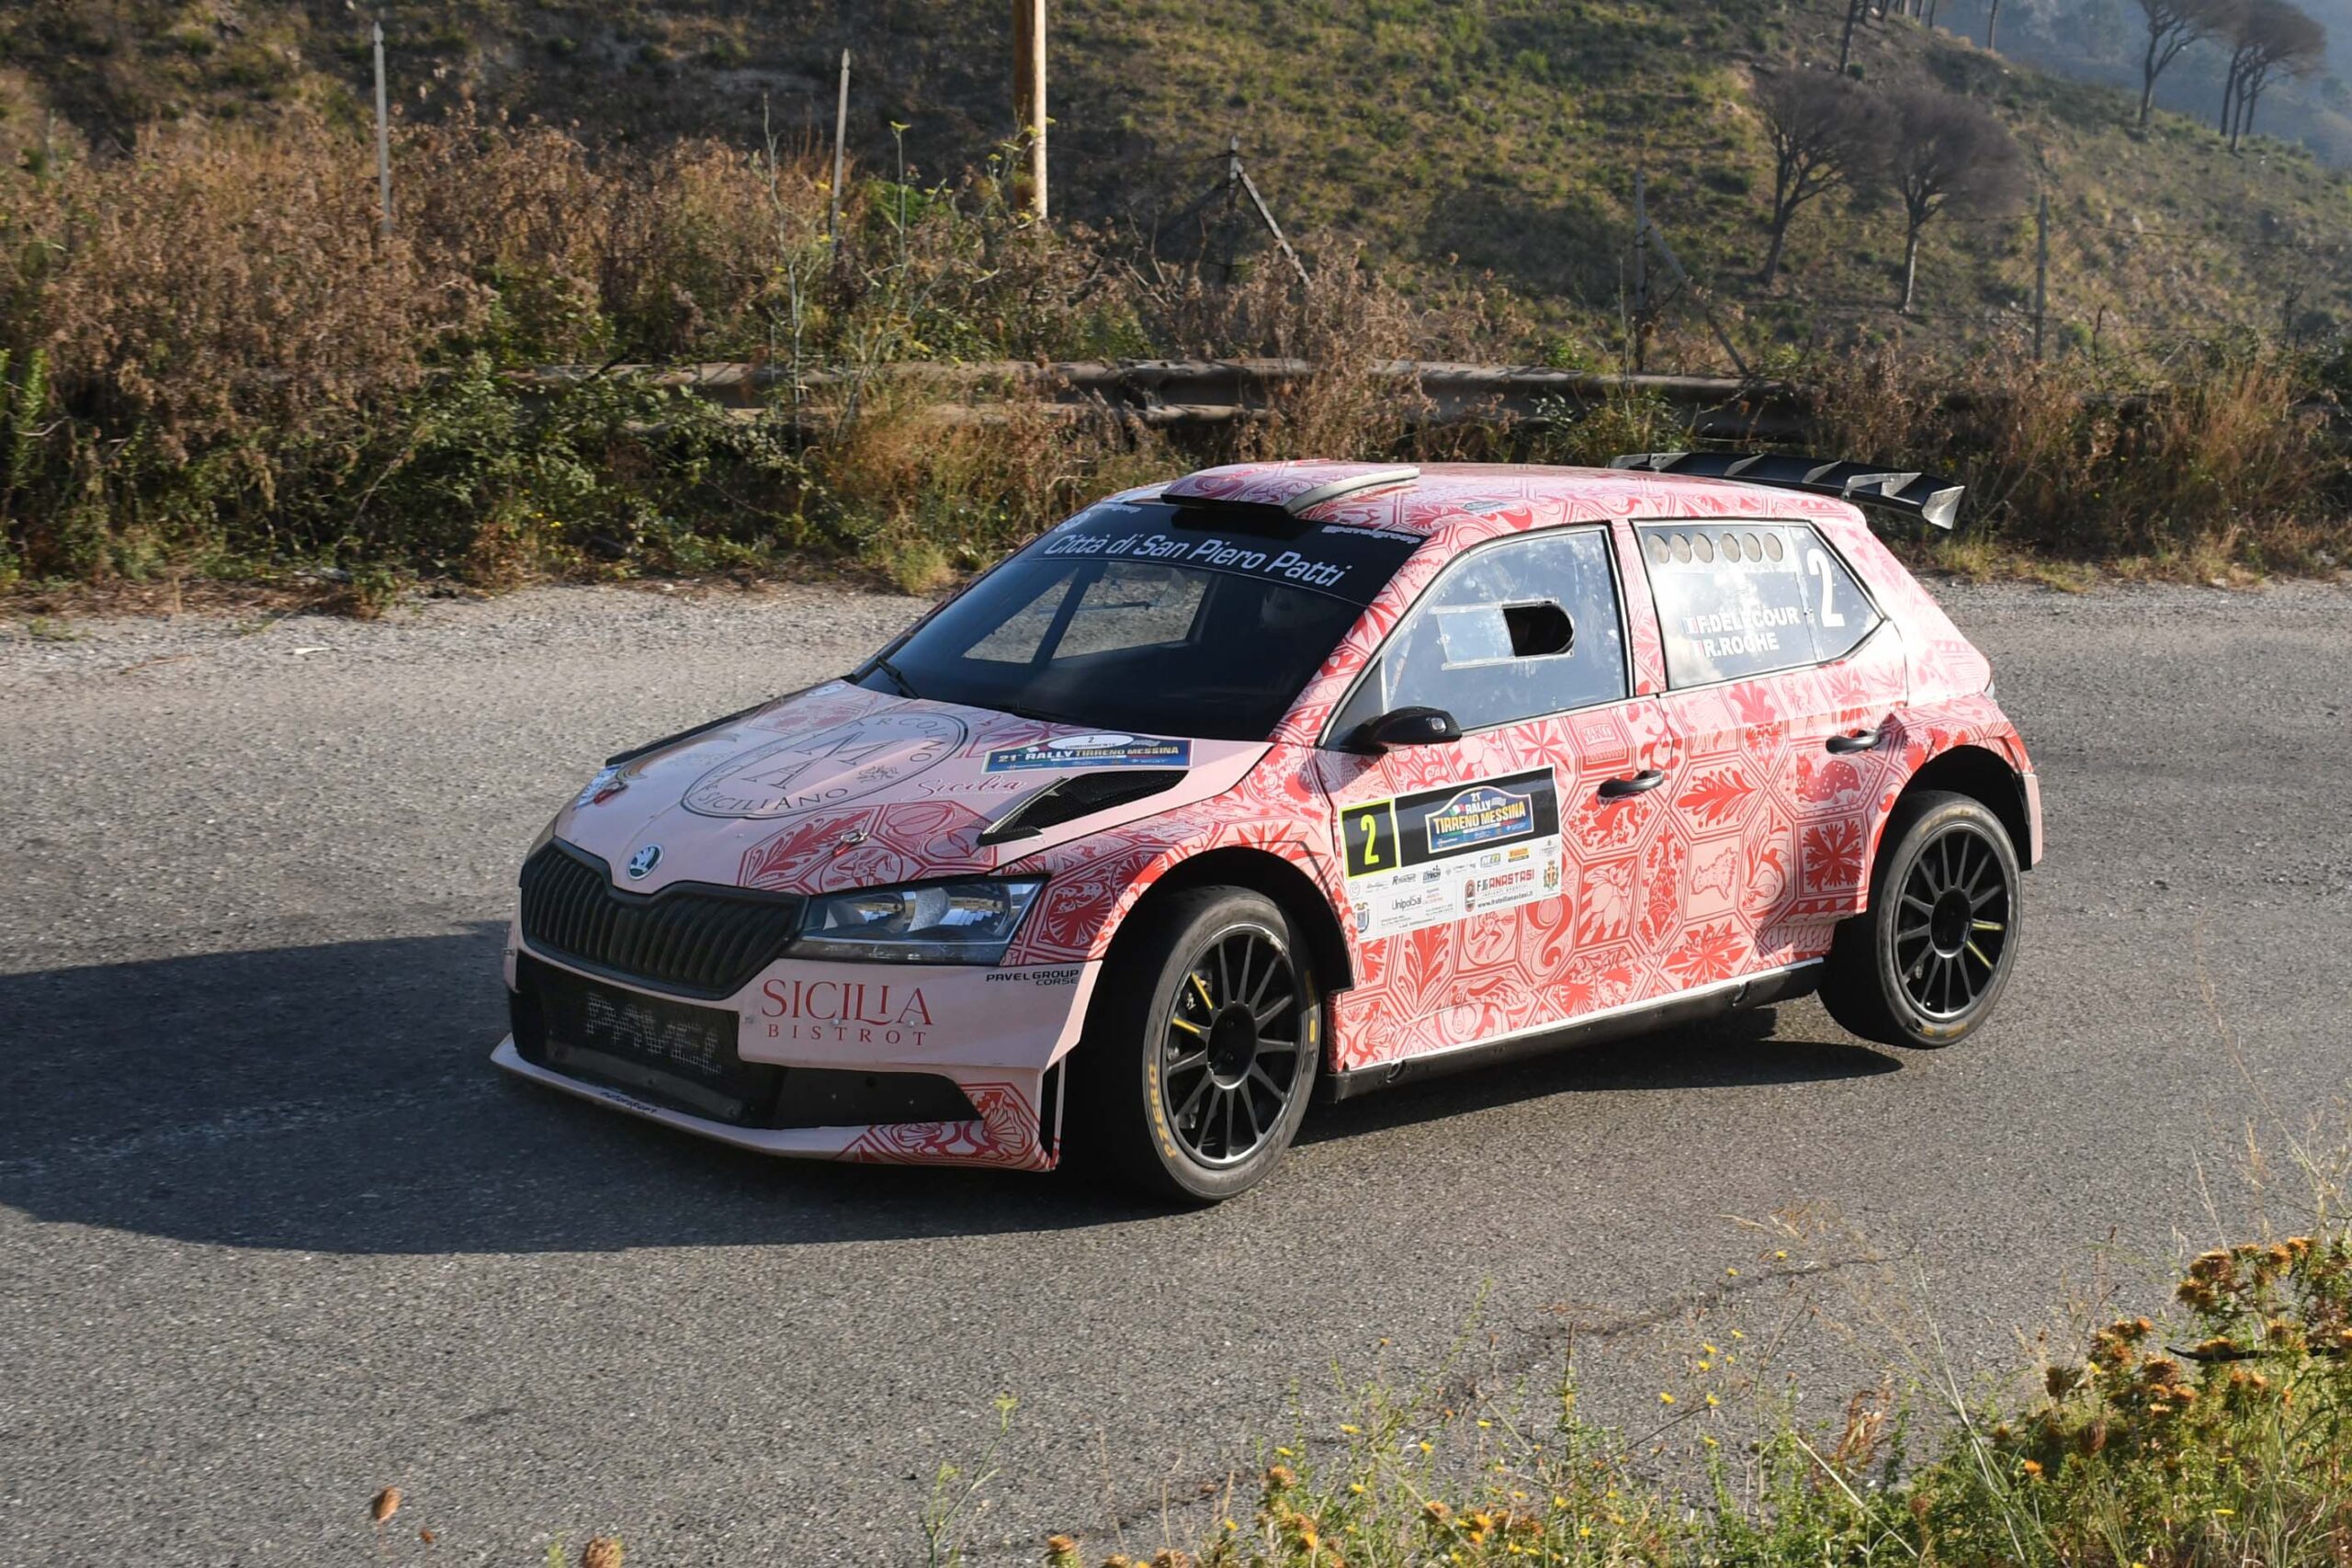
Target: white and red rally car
x=1288 y=775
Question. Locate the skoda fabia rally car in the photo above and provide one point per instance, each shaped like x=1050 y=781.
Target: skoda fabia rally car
x=1293 y=778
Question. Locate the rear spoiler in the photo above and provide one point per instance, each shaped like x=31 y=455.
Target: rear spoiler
x=1932 y=501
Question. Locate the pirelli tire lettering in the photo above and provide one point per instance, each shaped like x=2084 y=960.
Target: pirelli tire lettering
x=1442 y=854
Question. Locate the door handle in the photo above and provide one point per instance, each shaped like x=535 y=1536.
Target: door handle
x=1859 y=740
x=1638 y=783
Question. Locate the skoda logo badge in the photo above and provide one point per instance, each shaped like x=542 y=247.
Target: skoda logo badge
x=643 y=862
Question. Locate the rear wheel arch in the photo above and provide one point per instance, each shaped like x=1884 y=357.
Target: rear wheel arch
x=1986 y=777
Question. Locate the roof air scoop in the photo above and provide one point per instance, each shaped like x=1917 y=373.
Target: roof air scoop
x=1376 y=478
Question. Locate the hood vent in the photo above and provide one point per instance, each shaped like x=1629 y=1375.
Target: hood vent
x=1081 y=794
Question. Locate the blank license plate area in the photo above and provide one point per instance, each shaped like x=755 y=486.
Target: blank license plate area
x=672 y=1052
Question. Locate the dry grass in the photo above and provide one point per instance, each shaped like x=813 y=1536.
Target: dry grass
x=215 y=367
x=2232 y=466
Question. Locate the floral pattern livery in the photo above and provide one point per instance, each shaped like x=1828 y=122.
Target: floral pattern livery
x=1742 y=861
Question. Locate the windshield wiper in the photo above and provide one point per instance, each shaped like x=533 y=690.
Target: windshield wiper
x=1017 y=711
x=890 y=671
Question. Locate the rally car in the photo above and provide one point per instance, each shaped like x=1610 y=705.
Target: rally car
x=1296 y=779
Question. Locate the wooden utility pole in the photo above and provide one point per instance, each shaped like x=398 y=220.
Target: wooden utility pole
x=1029 y=95
x=1682 y=282
x=2040 y=269
x=841 y=140
x=383 y=138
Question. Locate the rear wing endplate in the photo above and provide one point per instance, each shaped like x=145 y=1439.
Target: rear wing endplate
x=1933 y=501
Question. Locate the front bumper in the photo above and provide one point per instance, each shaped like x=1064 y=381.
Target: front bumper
x=999 y=1034
x=1018 y=1126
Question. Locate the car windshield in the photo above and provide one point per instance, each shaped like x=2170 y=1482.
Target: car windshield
x=1190 y=621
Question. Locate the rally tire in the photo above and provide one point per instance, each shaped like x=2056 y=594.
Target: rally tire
x=1201 y=1047
x=1926 y=963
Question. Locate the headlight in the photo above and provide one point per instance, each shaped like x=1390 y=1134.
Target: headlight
x=938 y=923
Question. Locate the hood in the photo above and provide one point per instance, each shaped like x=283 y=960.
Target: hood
x=840 y=788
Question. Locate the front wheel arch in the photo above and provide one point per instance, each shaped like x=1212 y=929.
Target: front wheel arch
x=1292 y=889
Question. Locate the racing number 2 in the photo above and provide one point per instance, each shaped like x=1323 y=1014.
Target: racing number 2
x=1370 y=833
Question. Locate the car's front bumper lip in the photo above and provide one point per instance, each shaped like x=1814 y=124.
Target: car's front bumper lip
x=1011 y=1132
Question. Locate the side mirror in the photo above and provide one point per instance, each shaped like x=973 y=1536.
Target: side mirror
x=1406 y=726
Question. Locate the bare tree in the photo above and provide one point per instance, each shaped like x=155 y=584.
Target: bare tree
x=2171 y=27
x=2266 y=37
x=1855 y=11
x=1824 y=131
x=1991 y=25
x=1947 y=151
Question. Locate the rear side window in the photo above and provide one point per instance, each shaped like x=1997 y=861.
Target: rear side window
x=1514 y=630
x=1738 y=599
x=1841 y=615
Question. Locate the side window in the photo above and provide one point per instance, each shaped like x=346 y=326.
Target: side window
x=1841 y=617
x=1514 y=630
x=1738 y=599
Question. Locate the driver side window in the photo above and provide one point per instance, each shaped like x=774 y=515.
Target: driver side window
x=1510 y=632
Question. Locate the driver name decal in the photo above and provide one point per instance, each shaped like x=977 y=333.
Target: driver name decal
x=1445 y=855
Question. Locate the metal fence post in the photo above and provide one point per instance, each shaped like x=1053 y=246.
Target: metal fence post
x=383 y=137
x=2040 y=270
x=840 y=137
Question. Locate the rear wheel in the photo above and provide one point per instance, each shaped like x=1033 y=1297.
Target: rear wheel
x=1925 y=964
x=1201 y=1047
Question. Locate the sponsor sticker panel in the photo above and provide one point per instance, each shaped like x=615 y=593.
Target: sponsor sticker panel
x=1104 y=750
x=1445 y=854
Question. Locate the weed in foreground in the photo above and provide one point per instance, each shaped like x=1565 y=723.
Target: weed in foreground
x=2139 y=1454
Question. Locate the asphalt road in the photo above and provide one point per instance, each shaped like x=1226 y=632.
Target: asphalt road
x=273 y=1235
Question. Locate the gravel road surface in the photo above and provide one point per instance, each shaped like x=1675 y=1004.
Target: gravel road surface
x=273 y=1235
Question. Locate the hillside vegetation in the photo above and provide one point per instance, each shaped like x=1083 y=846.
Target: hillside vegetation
x=212 y=364
x=1449 y=140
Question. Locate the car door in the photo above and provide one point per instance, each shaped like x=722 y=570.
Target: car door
x=1498 y=884
x=1782 y=674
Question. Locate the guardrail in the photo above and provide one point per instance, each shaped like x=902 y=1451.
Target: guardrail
x=1166 y=393
x=1176 y=393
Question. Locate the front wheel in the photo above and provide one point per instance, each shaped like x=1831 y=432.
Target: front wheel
x=1200 y=1051
x=1925 y=964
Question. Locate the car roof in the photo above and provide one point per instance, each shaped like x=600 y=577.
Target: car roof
x=1443 y=498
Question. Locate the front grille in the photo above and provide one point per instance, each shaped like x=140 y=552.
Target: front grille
x=692 y=939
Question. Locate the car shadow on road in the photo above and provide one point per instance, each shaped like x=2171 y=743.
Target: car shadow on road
x=338 y=1099
x=1741 y=1050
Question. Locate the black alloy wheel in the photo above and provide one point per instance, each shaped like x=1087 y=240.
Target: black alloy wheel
x=1954 y=925
x=1231 y=1051
x=1924 y=964
x=1201 y=1047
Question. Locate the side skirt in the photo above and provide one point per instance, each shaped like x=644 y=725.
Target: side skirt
x=1609 y=1023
